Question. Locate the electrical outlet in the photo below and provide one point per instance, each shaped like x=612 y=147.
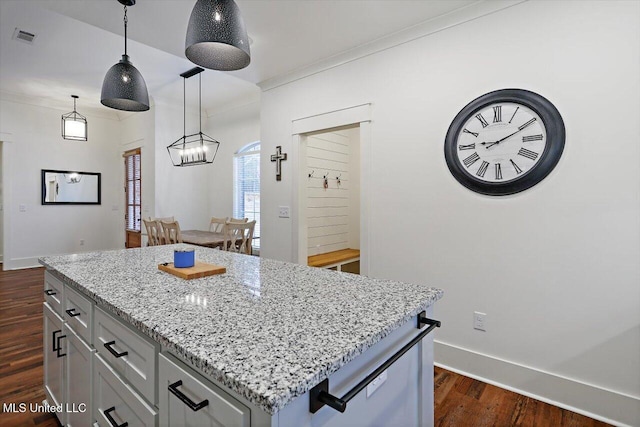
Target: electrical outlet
x=479 y=321
x=375 y=384
x=81 y=242
x=283 y=212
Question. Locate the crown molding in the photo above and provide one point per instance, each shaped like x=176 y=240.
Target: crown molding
x=435 y=25
x=62 y=106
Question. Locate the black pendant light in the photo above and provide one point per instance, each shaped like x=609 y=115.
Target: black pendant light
x=197 y=148
x=216 y=36
x=74 y=124
x=123 y=87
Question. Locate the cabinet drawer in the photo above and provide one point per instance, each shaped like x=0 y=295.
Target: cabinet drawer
x=220 y=409
x=116 y=399
x=53 y=292
x=130 y=354
x=78 y=314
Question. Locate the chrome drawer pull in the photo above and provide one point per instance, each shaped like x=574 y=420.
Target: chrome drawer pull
x=173 y=388
x=108 y=345
x=50 y=292
x=71 y=312
x=107 y=413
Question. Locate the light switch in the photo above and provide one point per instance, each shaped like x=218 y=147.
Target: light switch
x=284 y=212
x=22 y=208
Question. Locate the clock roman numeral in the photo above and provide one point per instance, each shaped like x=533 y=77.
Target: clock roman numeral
x=526 y=124
x=532 y=138
x=482 y=120
x=498 y=171
x=528 y=154
x=467 y=147
x=516 y=167
x=514 y=114
x=483 y=169
x=497 y=114
x=471 y=159
x=472 y=133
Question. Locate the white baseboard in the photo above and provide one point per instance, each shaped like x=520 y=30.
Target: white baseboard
x=586 y=399
x=21 y=263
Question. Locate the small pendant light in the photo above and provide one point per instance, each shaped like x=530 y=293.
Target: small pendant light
x=74 y=124
x=123 y=87
x=197 y=148
x=216 y=36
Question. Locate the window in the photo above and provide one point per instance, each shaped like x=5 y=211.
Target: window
x=133 y=182
x=246 y=186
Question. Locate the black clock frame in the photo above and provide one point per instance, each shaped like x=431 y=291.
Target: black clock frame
x=554 y=146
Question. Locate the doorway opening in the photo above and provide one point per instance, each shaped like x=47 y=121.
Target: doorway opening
x=133 y=198
x=331 y=152
x=333 y=198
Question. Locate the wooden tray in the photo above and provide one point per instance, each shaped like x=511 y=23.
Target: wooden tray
x=200 y=269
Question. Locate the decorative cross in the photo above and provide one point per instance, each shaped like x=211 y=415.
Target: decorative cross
x=278 y=157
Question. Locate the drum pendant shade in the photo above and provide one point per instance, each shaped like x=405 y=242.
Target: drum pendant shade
x=216 y=36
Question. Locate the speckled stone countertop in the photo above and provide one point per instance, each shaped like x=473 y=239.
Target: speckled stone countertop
x=268 y=330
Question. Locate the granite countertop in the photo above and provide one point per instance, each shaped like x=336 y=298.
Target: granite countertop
x=268 y=330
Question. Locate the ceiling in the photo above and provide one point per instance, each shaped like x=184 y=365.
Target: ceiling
x=77 y=41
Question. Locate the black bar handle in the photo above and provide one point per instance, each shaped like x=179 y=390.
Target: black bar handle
x=173 y=388
x=320 y=396
x=107 y=413
x=112 y=351
x=71 y=312
x=59 y=346
x=53 y=340
x=50 y=292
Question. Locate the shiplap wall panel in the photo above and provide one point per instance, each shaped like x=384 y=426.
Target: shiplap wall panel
x=328 y=209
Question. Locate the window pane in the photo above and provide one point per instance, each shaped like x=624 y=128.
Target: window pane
x=246 y=200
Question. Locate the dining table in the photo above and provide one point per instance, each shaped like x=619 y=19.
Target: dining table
x=209 y=239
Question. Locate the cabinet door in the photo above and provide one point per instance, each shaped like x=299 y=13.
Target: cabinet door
x=79 y=372
x=186 y=400
x=54 y=350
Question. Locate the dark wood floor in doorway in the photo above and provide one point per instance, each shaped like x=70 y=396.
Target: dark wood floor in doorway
x=459 y=401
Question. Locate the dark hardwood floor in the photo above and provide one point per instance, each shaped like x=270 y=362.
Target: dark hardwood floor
x=459 y=401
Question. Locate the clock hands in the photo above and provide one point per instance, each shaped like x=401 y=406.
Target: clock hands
x=520 y=128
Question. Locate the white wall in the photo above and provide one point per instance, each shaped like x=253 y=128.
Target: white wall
x=33 y=141
x=556 y=267
x=234 y=129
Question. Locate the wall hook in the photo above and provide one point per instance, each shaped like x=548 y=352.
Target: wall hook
x=311 y=174
x=338 y=179
x=325 y=180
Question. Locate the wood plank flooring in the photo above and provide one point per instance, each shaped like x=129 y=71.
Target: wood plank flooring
x=459 y=401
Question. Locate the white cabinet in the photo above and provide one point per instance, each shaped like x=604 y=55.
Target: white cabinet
x=79 y=371
x=54 y=358
x=187 y=400
x=131 y=355
x=116 y=402
x=78 y=313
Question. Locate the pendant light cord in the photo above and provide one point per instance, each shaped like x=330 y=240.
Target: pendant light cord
x=184 y=111
x=200 y=103
x=125 y=30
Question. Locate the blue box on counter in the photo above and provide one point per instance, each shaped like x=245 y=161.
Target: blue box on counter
x=184 y=258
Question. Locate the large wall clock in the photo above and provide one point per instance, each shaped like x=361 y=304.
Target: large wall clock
x=504 y=142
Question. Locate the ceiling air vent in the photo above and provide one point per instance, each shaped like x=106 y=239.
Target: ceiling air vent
x=23 y=36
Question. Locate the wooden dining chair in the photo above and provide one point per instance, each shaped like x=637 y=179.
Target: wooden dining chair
x=238 y=220
x=216 y=225
x=171 y=232
x=154 y=232
x=238 y=237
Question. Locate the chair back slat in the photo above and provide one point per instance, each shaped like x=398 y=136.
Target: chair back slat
x=238 y=237
x=154 y=232
x=171 y=232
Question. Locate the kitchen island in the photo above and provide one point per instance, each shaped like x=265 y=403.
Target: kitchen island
x=267 y=343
